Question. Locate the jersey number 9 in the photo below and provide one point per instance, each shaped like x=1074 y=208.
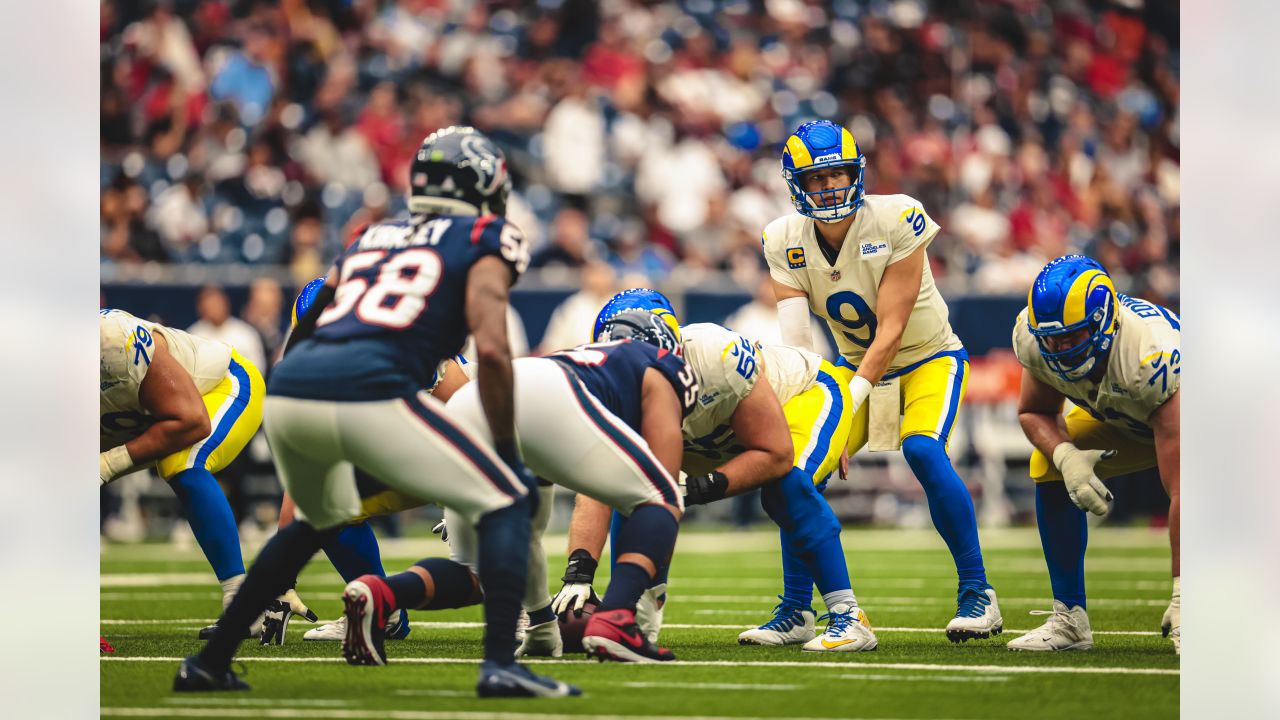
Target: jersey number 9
x=862 y=326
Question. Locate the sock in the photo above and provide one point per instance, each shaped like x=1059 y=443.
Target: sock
x=1064 y=535
x=230 y=587
x=840 y=597
x=625 y=586
x=651 y=532
x=797 y=584
x=950 y=506
x=452 y=586
x=542 y=615
x=211 y=520
x=536 y=595
x=504 y=566
x=275 y=571
x=616 y=521
x=354 y=552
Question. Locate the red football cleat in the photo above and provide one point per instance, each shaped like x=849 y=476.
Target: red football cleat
x=104 y=646
x=614 y=635
x=368 y=600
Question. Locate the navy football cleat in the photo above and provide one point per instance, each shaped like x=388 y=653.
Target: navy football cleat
x=192 y=677
x=516 y=680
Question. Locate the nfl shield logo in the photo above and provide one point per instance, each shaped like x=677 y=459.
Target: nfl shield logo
x=835 y=275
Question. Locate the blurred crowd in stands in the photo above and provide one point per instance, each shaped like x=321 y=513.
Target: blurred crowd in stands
x=645 y=135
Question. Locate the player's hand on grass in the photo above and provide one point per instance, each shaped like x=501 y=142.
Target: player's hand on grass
x=1083 y=486
x=275 y=622
x=579 y=573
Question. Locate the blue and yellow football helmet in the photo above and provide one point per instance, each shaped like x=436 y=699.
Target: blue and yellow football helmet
x=645 y=299
x=642 y=326
x=1073 y=293
x=306 y=296
x=823 y=144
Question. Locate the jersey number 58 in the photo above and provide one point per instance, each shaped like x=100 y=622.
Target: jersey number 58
x=399 y=291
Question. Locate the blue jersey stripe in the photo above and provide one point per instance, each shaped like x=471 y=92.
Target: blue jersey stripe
x=828 y=430
x=238 y=404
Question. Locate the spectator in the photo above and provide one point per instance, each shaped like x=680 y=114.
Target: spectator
x=217 y=323
x=570 y=244
x=265 y=312
x=570 y=324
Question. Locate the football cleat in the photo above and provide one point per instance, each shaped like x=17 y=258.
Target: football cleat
x=255 y=630
x=847 y=630
x=516 y=680
x=542 y=641
x=104 y=646
x=977 y=615
x=397 y=629
x=398 y=625
x=192 y=677
x=368 y=602
x=1066 y=629
x=790 y=625
x=614 y=635
x=649 y=611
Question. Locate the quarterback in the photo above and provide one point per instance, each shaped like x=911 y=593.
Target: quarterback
x=187 y=407
x=858 y=261
x=1118 y=360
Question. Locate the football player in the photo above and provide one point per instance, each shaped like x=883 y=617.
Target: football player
x=768 y=416
x=187 y=407
x=859 y=262
x=604 y=421
x=350 y=393
x=1118 y=360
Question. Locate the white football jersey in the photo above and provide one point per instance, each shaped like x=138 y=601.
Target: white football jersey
x=127 y=346
x=886 y=229
x=727 y=367
x=1143 y=368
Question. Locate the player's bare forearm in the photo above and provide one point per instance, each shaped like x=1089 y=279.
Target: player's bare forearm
x=761 y=427
x=170 y=395
x=1166 y=426
x=487 y=286
x=1040 y=413
x=588 y=526
x=895 y=299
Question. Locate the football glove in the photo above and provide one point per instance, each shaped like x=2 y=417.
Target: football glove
x=703 y=489
x=1083 y=486
x=441 y=529
x=577 y=590
x=1172 y=620
x=275 y=622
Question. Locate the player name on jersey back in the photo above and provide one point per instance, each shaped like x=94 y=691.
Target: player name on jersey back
x=399 y=308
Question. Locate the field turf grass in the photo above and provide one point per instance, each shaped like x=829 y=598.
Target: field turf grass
x=154 y=599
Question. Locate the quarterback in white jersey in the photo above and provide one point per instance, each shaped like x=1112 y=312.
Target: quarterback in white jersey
x=859 y=262
x=186 y=406
x=1118 y=360
x=751 y=398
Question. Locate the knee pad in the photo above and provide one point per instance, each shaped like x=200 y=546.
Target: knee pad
x=455 y=585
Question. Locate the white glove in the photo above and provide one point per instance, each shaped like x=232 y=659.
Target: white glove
x=442 y=529
x=275 y=621
x=1083 y=486
x=572 y=597
x=113 y=463
x=1172 y=620
x=859 y=390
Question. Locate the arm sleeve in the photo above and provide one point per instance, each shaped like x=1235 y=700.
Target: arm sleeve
x=912 y=229
x=793 y=320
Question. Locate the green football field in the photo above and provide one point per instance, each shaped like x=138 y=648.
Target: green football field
x=154 y=599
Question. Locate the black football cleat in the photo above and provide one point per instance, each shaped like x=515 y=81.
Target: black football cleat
x=614 y=635
x=192 y=677
x=516 y=680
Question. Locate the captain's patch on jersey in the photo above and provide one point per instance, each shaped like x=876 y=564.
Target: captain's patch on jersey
x=795 y=258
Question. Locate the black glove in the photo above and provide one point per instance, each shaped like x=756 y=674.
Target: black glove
x=703 y=489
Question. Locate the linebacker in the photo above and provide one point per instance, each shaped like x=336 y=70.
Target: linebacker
x=1117 y=359
x=187 y=406
x=859 y=262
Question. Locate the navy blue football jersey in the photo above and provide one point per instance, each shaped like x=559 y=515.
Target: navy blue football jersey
x=399 y=308
x=613 y=372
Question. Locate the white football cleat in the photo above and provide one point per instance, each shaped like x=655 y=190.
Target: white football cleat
x=333 y=631
x=649 y=611
x=977 y=616
x=1066 y=629
x=542 y=641
x=848 y=630
x=790 y=625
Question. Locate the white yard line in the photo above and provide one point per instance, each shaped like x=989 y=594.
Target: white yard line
x=925 y=678
x=997 y=669
x=711 y=686
x=286 y=713
x=441 y=625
